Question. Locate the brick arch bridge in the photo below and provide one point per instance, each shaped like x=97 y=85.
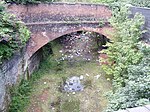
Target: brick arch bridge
x=50 y=21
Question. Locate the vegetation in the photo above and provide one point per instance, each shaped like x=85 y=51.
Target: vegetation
x=129 y=62
x=13 y=34
x=128 y=57
x=50 y=76
x=20 y=96
x=141 y=3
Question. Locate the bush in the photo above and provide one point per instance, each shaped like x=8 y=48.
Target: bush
x=137 y=88
x=13 y=34
x=20 y=96
x=141 y=3
x=131 y=58
x=123 y=52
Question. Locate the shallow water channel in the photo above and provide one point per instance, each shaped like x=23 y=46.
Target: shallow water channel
x=73 y=55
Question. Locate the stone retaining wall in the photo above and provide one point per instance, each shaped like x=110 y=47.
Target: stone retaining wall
x=12 y=71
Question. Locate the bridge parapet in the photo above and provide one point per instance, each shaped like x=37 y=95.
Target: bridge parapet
x=60 y=12
x=50 y=21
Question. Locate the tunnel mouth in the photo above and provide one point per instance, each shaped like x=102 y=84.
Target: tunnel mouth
x=81 y=45
x=71 y=72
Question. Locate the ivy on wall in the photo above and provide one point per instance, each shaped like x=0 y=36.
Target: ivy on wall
x=13 y=34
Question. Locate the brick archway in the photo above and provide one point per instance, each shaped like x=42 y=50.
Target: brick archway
x=40 y=39
x=50 y=21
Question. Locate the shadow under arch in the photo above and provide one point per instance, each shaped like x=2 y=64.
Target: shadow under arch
x=40 y=39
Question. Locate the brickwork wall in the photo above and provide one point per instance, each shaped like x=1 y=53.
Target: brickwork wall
x=50 y=21
x=12 y=71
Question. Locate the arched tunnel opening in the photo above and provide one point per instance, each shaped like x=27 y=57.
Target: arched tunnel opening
x=80 y=45
x=71 y=76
